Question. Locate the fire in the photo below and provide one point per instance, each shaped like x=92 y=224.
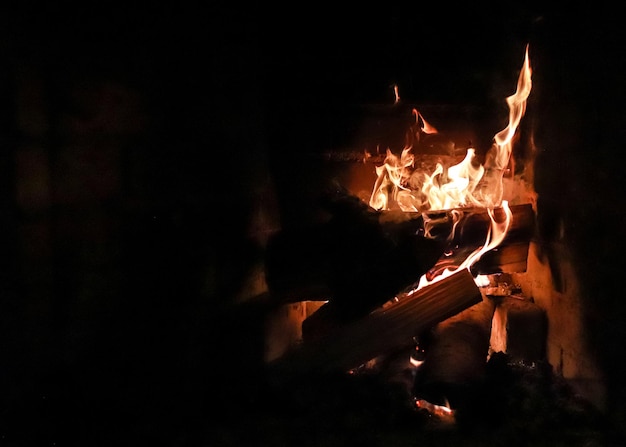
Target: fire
x=461 y=185
x=495 y=236
x=457 y=191
x=392 y=175
x=465 y=184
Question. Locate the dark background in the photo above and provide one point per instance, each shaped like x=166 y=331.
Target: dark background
x=137 y=143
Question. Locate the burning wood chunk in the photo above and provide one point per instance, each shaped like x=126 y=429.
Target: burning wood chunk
x=519 y=329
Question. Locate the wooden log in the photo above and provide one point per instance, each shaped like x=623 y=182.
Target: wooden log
x=361 y=258
x=385 y=329
x=509 y=256
x=475 y=222
x=358 y=259
x=456 y=355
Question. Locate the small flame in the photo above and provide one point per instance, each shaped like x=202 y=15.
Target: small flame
x=396 y=94
x=425 y=126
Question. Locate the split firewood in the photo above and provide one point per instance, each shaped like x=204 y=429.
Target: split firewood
x=456 y=352
x=349 y=345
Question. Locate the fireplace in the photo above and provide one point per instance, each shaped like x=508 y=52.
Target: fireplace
x=414 y=182
x=146 y=192
x=558 y=323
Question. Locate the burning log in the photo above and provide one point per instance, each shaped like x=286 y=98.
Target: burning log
x=387 y=328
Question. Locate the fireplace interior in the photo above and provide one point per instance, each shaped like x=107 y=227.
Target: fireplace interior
x=191 y=255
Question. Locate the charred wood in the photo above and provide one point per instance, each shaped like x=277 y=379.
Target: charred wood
x=357 y=258
x=360 y=258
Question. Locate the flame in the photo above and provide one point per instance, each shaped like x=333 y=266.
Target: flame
x=457 y=191
x=461 y=185
x=517 y=107
x=495 y=236
x=499 y=155
x=392 y=175
x=482 y=280
x=465 y=184
x=425 y=126
x=396 y=94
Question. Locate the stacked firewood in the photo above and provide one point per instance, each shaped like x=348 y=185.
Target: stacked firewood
x=366 y=264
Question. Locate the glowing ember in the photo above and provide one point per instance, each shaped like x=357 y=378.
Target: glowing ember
x=445 y=413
